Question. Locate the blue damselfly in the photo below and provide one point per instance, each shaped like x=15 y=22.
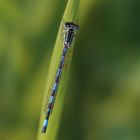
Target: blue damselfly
x=70 y=29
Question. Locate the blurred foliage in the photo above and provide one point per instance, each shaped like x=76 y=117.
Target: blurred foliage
x=103 y=97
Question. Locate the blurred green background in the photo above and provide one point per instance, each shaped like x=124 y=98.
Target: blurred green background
x=103 y=96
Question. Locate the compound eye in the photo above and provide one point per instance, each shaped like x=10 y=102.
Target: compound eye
x=67 y=25
x=77 y=27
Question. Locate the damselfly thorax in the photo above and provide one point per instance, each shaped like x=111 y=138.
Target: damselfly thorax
x=69 y=33
x=70 y=29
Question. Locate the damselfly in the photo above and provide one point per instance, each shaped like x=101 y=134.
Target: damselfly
x=70 y=29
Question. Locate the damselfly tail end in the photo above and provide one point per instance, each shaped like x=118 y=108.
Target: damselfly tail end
x=45 y=124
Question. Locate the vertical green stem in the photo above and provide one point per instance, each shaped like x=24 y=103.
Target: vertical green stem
x=71 y=14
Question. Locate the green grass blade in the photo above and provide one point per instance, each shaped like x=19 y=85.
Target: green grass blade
x=71 y=14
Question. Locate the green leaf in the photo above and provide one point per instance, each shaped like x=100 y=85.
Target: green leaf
x=71 y=14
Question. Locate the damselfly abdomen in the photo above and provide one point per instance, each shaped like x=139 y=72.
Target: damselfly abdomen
x=70 y=29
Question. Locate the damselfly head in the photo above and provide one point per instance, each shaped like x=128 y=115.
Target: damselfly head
x=70 y=29
x=71 y=26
